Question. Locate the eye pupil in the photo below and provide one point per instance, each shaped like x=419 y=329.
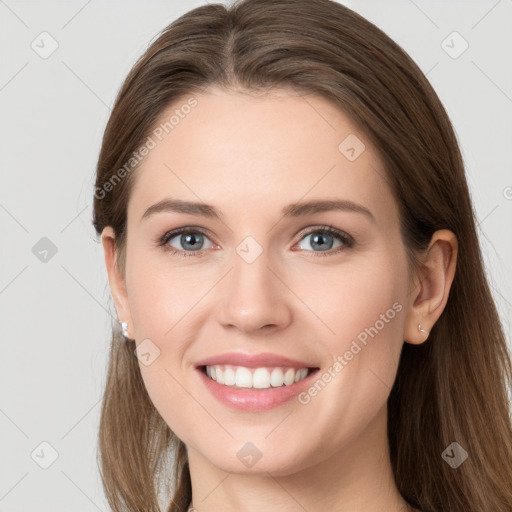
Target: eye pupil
x=187 y=239
x=321 y=244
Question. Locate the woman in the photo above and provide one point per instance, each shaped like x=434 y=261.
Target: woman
x=292 y=253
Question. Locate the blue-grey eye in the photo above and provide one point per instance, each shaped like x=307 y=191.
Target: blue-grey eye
x=322 y=240
x=189 y=241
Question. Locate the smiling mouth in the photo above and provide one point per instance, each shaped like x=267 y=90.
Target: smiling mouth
x=255 y=378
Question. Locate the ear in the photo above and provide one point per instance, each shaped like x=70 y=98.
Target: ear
x=116 y=279
x=431 y=287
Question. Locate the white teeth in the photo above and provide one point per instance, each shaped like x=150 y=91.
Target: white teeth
x=289 y=376
x=259 y=378
x=276 y=377
x=243 y=377
x=229 y=377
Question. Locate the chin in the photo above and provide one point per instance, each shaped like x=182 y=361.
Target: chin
x=247 y=459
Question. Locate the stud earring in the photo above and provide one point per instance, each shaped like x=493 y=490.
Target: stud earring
x=124 y=328
x=422 y=330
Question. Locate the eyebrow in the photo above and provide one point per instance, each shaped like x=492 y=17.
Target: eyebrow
x=300 y=209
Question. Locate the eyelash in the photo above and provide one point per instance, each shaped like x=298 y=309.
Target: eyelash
x=347 y=240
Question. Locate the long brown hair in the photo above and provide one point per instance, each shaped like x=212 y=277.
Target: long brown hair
x=452 y=388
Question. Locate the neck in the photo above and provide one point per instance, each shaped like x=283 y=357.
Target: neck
x=358 y=477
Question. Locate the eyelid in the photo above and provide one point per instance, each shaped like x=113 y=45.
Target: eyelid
x=327 y=228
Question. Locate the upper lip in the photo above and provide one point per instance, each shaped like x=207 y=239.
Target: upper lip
x=252 y=360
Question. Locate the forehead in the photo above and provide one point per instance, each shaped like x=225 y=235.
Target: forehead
x=257 y=151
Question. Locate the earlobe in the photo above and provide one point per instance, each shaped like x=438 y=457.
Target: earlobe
x=115 y=278
x=425 y=333
x=430 y=295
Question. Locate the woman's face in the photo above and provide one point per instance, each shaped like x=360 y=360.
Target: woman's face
x=264 y=277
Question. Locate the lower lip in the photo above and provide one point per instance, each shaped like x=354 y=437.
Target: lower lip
x=251 y=399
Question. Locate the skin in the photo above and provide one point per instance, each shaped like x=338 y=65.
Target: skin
x=249 y=155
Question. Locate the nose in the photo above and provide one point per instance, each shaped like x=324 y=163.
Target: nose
x=255 y=298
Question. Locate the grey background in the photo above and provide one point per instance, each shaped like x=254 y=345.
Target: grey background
x=56 y=314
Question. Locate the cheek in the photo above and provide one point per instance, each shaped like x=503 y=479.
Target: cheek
x=364 y=308
x=160 y=294
x=357 y=294
x=162 y=311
